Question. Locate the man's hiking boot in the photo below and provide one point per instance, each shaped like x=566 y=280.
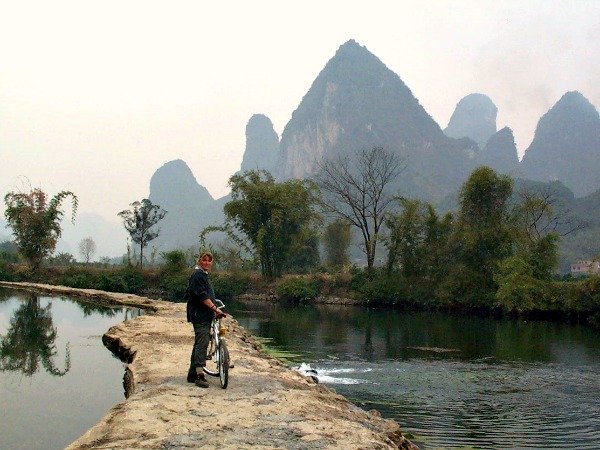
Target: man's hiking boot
x=201 y=381
x=191 y=377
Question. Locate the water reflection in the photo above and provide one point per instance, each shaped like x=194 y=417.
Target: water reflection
x=89 y=309
x=31 y=334
x=29 y=341
x=373 y=335
x=43 y=336
x=450 y=380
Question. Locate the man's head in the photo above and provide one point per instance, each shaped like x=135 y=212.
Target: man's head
x=205 y=261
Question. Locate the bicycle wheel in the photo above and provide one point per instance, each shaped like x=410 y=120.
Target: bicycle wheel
x=212 y=359
x=223 y=364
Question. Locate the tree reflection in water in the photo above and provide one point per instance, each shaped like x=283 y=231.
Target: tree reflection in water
x=92 y=308
x=30 y=340
x=107 y=311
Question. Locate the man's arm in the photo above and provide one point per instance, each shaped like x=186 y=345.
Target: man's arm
x=210 y=305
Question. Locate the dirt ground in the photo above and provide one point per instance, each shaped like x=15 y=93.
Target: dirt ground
x=266 y=405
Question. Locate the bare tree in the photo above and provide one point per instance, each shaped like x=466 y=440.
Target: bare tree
x=87 y=248
x=540 y=213
x=355 y=189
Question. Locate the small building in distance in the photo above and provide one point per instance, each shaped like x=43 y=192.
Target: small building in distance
x=584 y=267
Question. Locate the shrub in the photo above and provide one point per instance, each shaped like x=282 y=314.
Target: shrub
x=175 y=285
x=127 y=279
x=5 y=274
x=175 y=262
x=133 y=278
x=393 y=288
x=112 y=283
x=227 y=286
x=173 y=276
x=78 y=278
x=297 y=289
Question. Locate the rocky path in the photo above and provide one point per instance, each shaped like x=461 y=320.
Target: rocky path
x=266 y=405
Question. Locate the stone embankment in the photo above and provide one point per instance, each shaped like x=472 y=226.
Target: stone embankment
x=265 y=406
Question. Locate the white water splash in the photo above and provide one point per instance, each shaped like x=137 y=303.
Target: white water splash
x=325 y=375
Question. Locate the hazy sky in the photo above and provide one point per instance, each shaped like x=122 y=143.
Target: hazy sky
x=96 y=95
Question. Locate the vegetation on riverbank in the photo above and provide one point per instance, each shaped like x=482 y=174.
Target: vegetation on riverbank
x=496 y=254
x=555 y=299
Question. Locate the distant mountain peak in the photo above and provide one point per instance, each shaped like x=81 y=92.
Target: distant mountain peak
x=174 y=187
x=474 y=117
x=356 y=102
x=262 y=144
x=500 y=152
x=566 y=145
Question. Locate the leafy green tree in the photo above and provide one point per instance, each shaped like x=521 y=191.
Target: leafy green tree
x=273 y=216
x=524 y=278
x=139 y=222
x=406 y=236
x=355 y=188
x=418 y=240
x=483 y=236
x=303 y=254
x=35 y=222
x=519 y=289
x=436 y=256
x=336 y=240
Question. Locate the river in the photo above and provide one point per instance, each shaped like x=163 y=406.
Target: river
x=56 y=378
x=451 y=381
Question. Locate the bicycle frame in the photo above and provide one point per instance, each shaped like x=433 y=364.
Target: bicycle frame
x=217 y=353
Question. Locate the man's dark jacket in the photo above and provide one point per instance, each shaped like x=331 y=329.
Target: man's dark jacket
x=199 y=289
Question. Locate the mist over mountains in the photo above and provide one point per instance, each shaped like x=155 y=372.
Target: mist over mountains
x=357 y=102
x=566 y=146
x=474 y=117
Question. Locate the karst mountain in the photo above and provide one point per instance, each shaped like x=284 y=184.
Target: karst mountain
x=566 y=146
x=357 y=102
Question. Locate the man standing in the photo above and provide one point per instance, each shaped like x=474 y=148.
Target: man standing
x=200 y=312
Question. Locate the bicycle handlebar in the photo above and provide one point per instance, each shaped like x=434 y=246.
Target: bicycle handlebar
x=219 y=303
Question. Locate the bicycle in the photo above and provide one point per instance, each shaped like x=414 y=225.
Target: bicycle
x=217 y=355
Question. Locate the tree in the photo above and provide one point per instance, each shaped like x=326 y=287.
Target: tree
x=275 y=217
x=541 y=213
x=484 y=234
x=436 y=256
x=35 y=222
x=406 y=235
x=87 y=248
x=303 y=255
x=418 y=245
x=139 y=220
x=336 y=240
x=355 y=189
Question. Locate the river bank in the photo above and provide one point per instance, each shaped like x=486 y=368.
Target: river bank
x=266 y=405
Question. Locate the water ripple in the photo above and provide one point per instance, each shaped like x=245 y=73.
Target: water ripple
x=507 y=405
